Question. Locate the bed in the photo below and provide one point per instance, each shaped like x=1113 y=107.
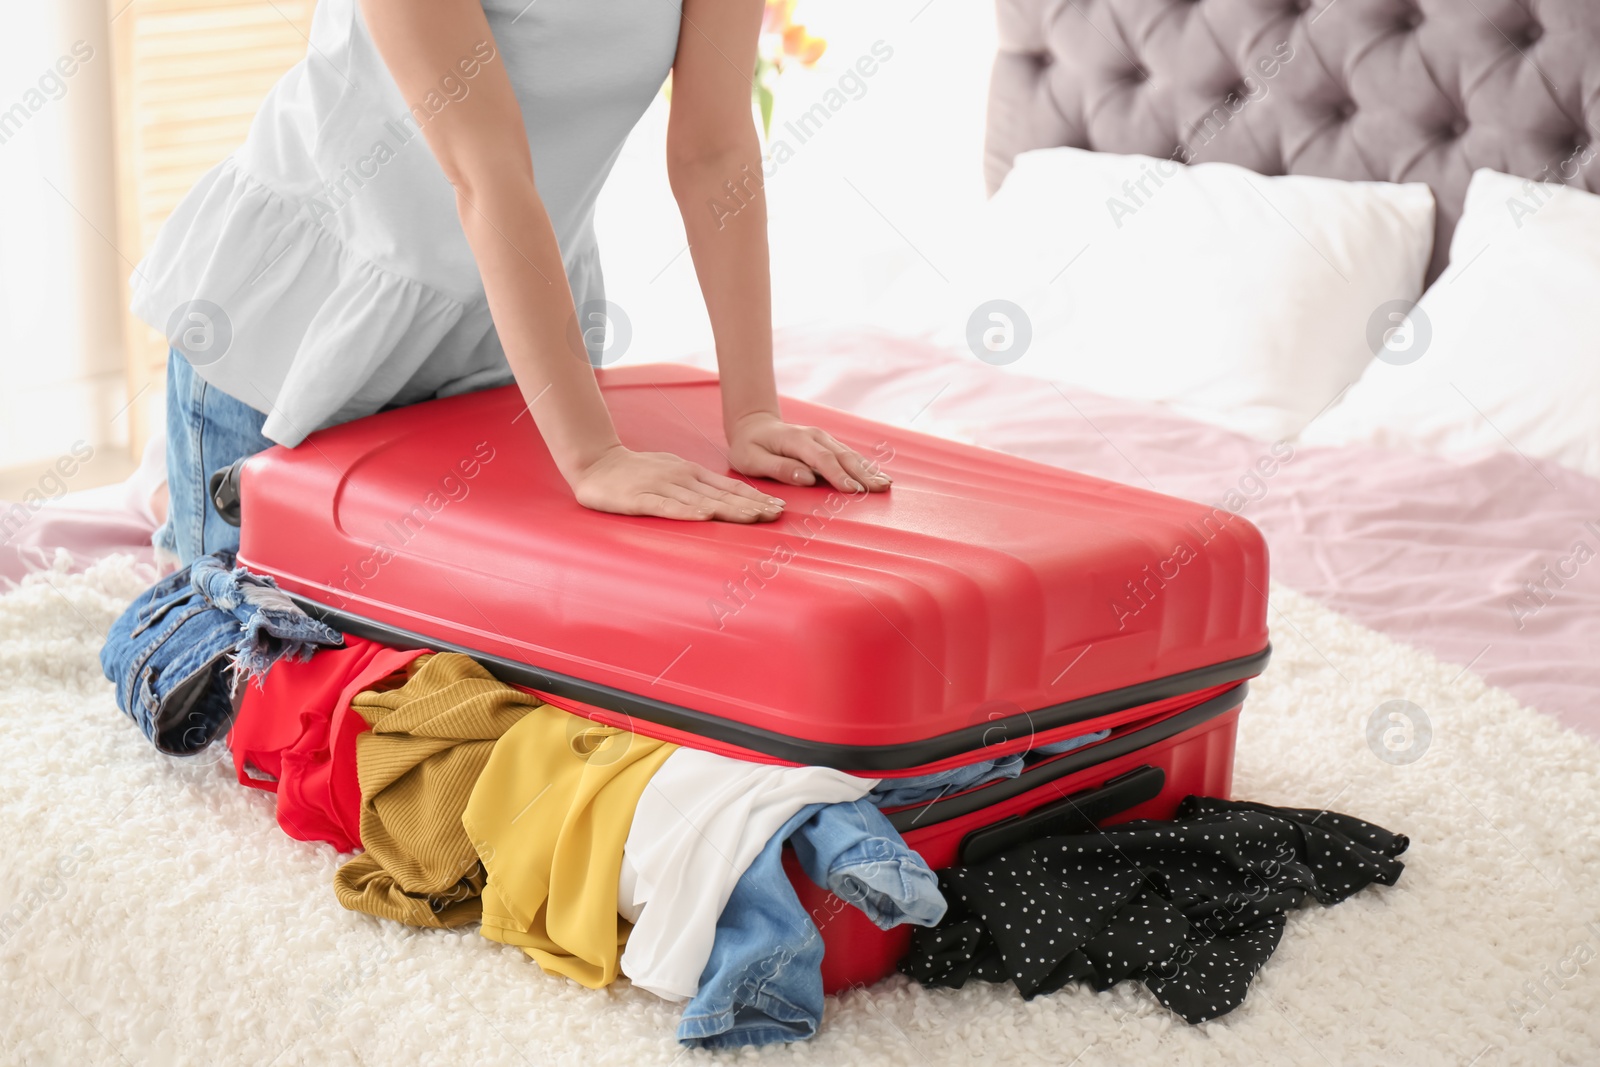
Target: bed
x=1471 y=554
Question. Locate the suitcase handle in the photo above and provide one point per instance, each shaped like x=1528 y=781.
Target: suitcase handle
x=1075 y=814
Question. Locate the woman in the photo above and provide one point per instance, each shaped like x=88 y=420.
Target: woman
x=412 y=216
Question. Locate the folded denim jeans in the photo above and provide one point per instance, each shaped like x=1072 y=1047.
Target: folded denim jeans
x=763 y=982
x=182 y=649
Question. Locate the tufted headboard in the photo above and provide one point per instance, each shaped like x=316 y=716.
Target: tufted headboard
x=1392 y=90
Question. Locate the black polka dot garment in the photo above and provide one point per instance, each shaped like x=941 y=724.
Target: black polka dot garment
x=1193 y=908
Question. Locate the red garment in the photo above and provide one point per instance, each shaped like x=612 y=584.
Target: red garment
x=299 y=729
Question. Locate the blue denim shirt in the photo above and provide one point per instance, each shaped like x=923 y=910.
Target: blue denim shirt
x=763 y=982
x=186 y=645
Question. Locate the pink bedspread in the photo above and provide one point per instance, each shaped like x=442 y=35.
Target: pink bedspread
x=1436 y=553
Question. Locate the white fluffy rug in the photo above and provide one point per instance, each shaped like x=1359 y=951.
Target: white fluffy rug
x=153 y=912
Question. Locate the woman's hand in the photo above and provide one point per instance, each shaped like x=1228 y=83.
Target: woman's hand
x=625 y=482
x=762 y=445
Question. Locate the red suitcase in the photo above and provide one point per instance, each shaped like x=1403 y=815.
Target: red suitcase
x=983 y=606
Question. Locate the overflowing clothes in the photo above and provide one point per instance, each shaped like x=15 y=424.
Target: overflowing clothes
x=1192 y=908
x=295 y=735
x=430 y=740
x=763 y=981
x=182 y=651
x=548 y=818
x=702 y=821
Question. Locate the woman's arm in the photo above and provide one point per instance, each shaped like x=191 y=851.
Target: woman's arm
x=712 y=146
x=482 y=146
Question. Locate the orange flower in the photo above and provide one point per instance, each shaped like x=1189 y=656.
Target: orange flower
x=804 y=47
x=782 y=36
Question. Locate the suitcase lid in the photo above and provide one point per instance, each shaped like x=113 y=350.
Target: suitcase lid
x=983 y=598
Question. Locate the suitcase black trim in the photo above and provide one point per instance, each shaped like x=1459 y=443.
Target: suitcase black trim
x=953 y=807
x=799 y=750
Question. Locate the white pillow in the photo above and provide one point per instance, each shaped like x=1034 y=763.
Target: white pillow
x=1236 y=298
x=1503 y=351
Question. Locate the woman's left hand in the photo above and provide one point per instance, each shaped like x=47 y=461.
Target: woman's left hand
x=762 y=445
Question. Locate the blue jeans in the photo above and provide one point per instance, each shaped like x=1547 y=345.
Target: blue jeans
x=186 y=645
x=763 y=982
x=206 y=430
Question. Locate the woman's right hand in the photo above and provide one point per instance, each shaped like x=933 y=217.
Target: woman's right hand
x=625 y=482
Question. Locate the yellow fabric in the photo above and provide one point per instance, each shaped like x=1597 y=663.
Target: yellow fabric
x=549 y=816
x=430 y=739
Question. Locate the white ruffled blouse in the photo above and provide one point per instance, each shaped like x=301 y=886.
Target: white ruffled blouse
x=320 y=273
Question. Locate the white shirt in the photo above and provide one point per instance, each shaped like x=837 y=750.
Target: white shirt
x=700 y=823
x=320 y=273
